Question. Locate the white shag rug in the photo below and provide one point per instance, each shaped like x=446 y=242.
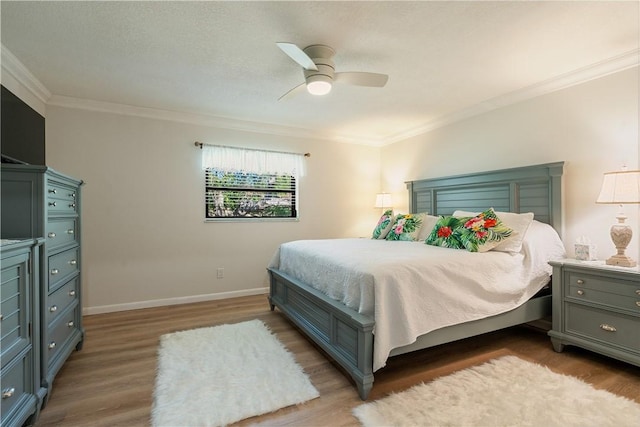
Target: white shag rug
x=503 y=392
x=219 y=375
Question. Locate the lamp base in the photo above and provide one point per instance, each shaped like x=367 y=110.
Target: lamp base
x=621 y=261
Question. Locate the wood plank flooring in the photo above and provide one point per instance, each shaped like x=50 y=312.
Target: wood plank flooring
x=110 y=381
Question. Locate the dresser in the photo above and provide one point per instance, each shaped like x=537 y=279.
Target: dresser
x=39 y=201
x=20 y=385
x=596 y=307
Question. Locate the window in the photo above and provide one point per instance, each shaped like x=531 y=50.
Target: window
x=243 y=183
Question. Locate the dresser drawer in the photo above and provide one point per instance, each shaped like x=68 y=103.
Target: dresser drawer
x=604 y=326
x=61 y=232
x=621 y=287
x=60 y=198
x=60 y=299
x=59 y=334
x=61 y=266
x=14 y=379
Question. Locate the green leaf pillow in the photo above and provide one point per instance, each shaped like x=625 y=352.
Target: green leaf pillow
x=482 y=232
x=384 y=225
x=405 y=227
x=443 y=233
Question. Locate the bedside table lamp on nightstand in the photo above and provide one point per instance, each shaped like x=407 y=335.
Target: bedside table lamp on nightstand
x=622 y=187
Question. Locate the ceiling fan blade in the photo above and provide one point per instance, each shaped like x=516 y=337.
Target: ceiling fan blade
x=362 y=79
x=293 y=92
x=298 y=55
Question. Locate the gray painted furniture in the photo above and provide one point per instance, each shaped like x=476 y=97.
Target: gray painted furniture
x=597 y=307
x=22 y=394
x=37 y=201
x=347 y=336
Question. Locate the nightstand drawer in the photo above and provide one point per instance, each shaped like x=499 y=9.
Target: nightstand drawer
x=604 y=284
x=579 y=293
x=611 y=328
x=61 y=299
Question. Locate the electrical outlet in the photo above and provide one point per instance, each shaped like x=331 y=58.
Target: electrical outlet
x=220 y=273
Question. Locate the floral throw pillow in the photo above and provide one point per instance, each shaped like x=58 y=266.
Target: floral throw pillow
x=384 y=225
x=482 y=232
x=405 y=227
x=443 y=233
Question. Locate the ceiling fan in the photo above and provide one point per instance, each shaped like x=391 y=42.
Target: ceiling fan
x=319 y=70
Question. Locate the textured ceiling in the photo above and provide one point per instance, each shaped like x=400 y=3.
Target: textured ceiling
x=220 y=58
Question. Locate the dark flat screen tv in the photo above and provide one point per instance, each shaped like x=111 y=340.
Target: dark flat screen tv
x=22 y=132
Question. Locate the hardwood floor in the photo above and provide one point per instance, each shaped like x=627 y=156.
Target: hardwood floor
x=110 y=381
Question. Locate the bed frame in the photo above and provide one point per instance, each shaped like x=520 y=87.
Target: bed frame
x=347 y=336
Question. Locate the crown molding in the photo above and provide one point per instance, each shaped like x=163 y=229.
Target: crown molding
x=198 y=119
x=582 y=75
x=15 y=68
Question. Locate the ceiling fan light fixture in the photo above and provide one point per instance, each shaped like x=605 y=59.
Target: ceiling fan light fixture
x=318 y=85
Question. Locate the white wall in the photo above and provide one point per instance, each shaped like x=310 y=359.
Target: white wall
x=593 y=127
x=145 y=241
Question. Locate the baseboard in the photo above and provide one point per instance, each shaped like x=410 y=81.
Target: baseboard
x=171 y=301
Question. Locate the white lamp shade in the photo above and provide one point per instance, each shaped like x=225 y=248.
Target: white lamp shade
x=620 y=187
x=383 y=200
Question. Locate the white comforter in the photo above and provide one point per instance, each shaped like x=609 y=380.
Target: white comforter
x=412 y=288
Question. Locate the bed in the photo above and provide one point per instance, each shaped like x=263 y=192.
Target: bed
x=347 y=333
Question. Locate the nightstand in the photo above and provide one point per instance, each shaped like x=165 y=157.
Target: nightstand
x=596 y=307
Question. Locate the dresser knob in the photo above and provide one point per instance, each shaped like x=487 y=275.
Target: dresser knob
x=580 y=282
x=72 y=205
x=52 y=345
x=52 y=204
x=8 y=392
x=580 y=292
x=638 y=303
x=73 y=262
x=637 y=291
x=1 y=317
x=72 y=293
x=53 y=191
x=52 y=235
x=608 y=328
x=70 y=324
x=72 y=195
x=53 y=308
x=70 y=231
x=54 y=271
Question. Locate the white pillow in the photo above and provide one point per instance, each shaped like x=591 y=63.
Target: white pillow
x=519 y=223
x=428 y=222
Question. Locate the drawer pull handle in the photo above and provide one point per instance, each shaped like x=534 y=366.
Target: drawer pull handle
x=52 y=204
x=72 y=293
x=52 y=345
x=70 y=324
x=73 y=262
x=580 y=282
x=580 y=292
x=8 y=392
x=637 y=291
x=637 y=303
x=53 y=191
x=72 y=205
x=54 y=271
x=608 y=328
x=53 y=308
x=70 y=231
x=52 y=234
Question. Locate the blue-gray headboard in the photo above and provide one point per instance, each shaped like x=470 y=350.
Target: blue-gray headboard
x=536 y=189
